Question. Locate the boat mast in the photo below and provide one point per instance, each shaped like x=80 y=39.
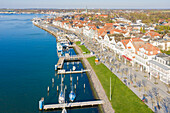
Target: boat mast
x=61 y=83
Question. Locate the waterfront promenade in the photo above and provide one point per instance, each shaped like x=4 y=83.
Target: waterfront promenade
x=107 y=107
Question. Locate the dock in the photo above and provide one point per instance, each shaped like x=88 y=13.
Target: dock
x=70 y=46
x=60 y=62
x=72 y=72
x=74 y=104
x=81 y=56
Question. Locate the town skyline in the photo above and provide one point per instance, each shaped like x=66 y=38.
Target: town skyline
x=95 y=4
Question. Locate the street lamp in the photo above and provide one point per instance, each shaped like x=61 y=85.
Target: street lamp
x=110 y=88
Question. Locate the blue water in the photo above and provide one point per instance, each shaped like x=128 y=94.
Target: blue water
x=27 y=58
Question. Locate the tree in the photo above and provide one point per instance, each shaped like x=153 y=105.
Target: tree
x=141 y=30
x=122 y=72
x=167 y=86
x=131 y=78
x=126 y=70
x=144 y=83
x=110 y=21
x=165 y=103
x=139 y=84
x=119 y=66
x=135 y=75
x=151 y=96
x=156 y=93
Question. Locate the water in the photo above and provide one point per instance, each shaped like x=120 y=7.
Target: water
x=27 y=59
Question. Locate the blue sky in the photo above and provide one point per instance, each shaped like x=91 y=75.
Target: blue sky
x=114 y=4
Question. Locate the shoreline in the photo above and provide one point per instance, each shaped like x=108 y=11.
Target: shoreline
x=97 y=88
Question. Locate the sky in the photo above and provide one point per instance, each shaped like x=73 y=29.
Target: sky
x=66 y=4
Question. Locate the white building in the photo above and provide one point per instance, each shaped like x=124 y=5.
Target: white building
x=160 y=67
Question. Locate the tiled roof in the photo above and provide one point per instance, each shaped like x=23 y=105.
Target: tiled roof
x=108 y=24
x=102 y=32
x=115 y=30
x=152 y=34
x=125 y=42
x=138 y=43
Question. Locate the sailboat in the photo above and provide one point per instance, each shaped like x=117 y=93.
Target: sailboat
x=61 y=98
x=64 y=110
x=72 y=95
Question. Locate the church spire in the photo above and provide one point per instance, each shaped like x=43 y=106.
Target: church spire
x=86 y=10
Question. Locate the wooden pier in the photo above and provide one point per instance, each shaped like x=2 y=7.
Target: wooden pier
x=71 y=72
x=74 y=104
x=60 y=62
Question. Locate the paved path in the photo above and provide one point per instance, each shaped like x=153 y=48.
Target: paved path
x=107 y=107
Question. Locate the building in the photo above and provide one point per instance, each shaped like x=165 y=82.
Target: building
x=138 y=52
x=160 y=67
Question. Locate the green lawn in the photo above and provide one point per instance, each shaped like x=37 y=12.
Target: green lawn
x=123 y=99
x=78 y=43
x=166 y=52
x=83 y=48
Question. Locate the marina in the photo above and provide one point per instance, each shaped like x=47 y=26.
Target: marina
x=65 y=56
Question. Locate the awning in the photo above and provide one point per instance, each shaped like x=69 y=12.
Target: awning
x=126 y=57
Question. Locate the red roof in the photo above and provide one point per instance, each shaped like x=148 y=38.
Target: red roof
x=102 y=32
x=58 y=19
x=138 y=43
x=125 y=42
x=108 y=24
x=152 y=34
x=115 y=30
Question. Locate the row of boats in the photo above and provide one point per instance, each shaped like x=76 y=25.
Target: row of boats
x=72 y=95
x=62 y=46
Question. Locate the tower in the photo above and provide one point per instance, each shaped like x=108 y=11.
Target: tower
x=86 y=10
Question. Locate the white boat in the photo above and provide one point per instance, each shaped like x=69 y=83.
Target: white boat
x=64 y=110
x=74 y=68
x=72 y=95
x=59 y=47
x=61 y=98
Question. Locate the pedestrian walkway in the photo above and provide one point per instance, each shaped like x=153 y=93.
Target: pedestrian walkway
x=107 y=107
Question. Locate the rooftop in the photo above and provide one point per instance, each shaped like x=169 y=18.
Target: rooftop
x=159 y=65
x=163 y=56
